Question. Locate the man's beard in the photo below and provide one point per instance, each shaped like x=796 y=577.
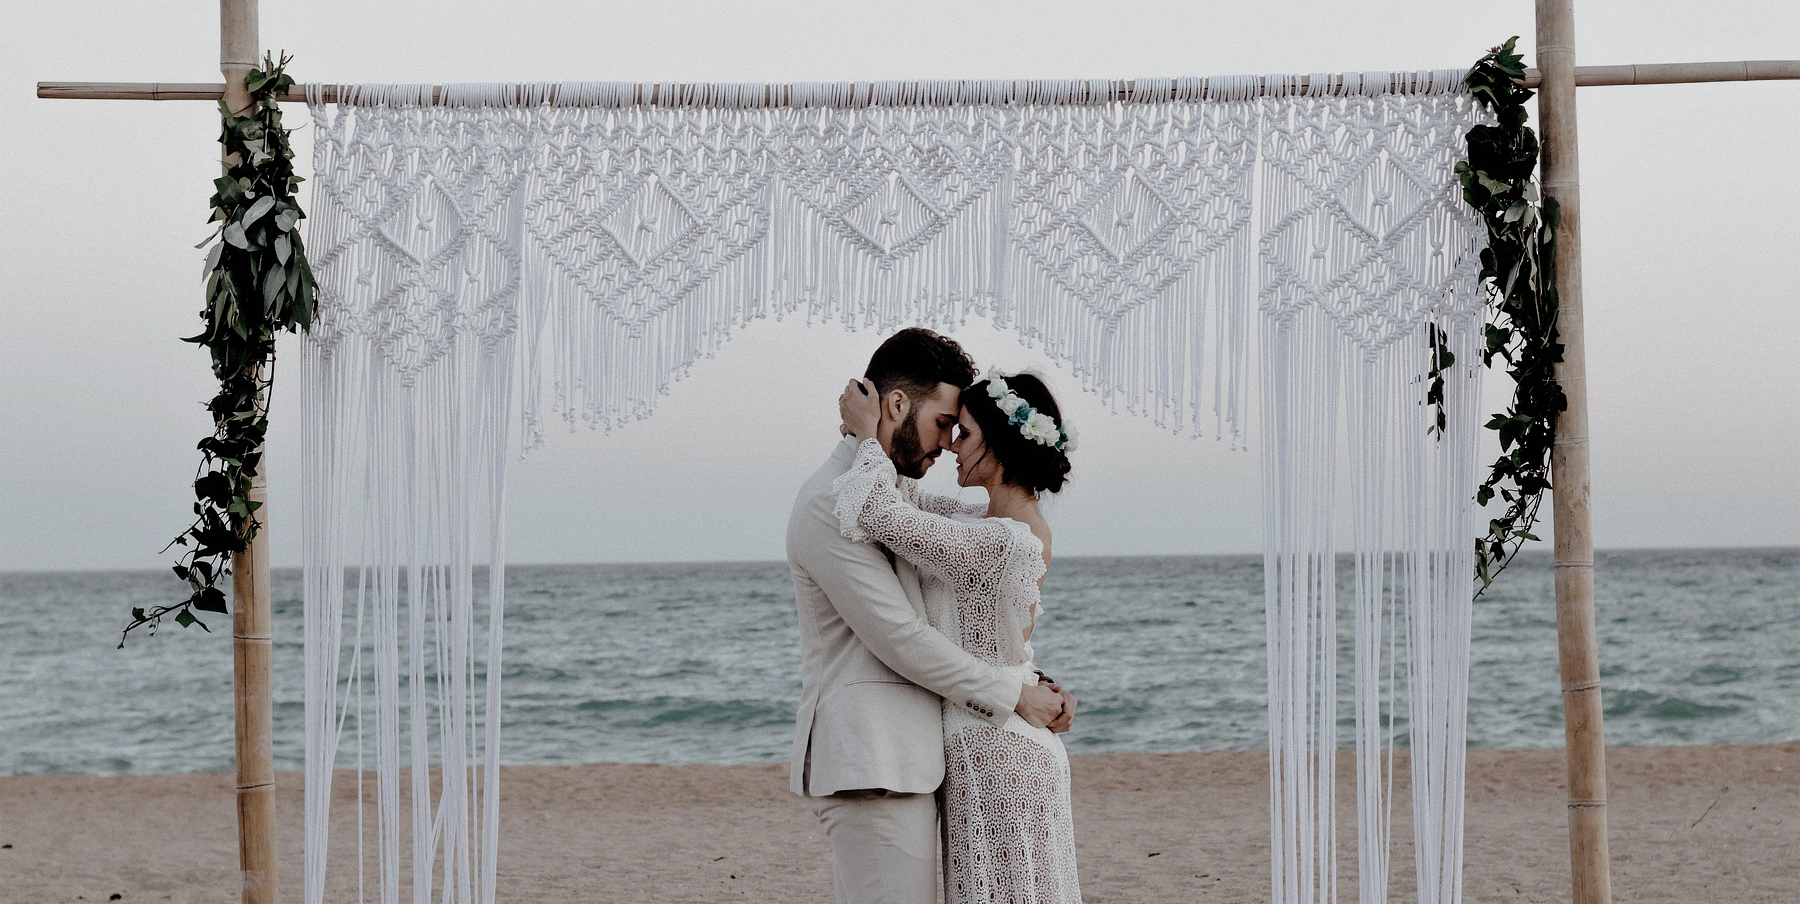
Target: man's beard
x=908 y=454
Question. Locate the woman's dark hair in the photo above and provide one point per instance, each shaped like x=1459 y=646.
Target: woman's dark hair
x=1023 y=462
x=915 y=360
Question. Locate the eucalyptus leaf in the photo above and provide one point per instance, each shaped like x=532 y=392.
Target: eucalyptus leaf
x=1494 y=186
x=272 y=282
x=212 y=262
x=263 y=205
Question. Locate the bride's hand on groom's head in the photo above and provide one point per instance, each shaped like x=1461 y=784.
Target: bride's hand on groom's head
x=859 y=409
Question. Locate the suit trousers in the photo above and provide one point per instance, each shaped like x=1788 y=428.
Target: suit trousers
x=883 y=846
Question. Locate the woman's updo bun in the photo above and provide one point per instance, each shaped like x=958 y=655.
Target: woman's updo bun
x=1024 y=462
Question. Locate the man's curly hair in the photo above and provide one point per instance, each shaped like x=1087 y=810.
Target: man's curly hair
x=915 y=360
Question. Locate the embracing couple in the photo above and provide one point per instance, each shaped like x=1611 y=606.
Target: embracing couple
x=916 y=611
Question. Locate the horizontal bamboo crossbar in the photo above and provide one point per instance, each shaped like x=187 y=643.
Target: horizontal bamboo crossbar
x=1679 y=73
x=1116 y=90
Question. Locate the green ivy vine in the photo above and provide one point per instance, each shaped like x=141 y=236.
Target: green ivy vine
x=258 y=283
x=1517 y=269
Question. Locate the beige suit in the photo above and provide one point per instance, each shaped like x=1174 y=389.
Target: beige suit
x=872 y=675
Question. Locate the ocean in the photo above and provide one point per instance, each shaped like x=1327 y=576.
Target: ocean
x=687 y=663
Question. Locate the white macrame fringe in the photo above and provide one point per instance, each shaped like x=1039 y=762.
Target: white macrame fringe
x=585 y=244
x=407 y=435
x=1365 y=251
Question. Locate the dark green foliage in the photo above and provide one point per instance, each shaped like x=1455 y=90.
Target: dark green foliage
x=258 y=283
x=1517 y=268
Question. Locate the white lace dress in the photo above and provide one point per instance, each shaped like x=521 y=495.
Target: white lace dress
x=1008 y=833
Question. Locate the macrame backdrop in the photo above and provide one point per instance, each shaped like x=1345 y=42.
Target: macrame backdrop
x=575 y=248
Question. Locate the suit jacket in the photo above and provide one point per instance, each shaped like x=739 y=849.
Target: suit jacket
x=872 y=669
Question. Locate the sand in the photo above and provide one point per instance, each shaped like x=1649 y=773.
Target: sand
x=1689 y=824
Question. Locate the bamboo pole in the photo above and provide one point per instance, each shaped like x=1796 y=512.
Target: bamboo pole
x=1577 y=642
x=655 y=94
x=1677 y=73
x=251 y=629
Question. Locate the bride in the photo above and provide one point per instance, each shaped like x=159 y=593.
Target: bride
x=1008 y=834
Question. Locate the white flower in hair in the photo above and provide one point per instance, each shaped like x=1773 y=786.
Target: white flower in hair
x=1041 y=427
x=1034 y=425
x=1070 y=435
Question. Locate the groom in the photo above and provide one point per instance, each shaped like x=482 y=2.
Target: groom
x=868 y=745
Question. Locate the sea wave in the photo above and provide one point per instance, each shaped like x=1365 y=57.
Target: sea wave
x=700 y=663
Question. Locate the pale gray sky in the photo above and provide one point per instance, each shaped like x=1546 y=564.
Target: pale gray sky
x=1692 y=213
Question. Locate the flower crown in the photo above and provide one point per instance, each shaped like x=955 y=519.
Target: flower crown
x=1036 y=426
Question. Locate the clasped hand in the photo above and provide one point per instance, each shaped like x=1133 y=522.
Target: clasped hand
x=1047 y=705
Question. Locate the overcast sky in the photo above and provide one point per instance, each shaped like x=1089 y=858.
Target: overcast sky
x=1691 y=198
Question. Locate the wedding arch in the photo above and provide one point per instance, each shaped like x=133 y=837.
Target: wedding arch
x=485 y=249
x=583 y=244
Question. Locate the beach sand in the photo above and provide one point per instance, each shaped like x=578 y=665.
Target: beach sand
x=1688 y=824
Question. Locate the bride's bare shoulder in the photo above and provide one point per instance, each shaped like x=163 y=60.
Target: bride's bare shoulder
x=1040 y=529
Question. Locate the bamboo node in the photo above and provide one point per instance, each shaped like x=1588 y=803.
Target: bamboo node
x=1581 y=686
x=1589 y=804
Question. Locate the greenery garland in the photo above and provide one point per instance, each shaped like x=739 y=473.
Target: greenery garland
x=1517 y=270
x=258 y=283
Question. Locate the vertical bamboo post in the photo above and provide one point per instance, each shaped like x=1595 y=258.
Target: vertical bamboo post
x=1577 y=642
x=250 y=622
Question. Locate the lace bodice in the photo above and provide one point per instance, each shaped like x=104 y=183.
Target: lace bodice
x=993 y=565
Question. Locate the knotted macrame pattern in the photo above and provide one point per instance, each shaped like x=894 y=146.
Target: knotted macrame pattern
x=498 y=256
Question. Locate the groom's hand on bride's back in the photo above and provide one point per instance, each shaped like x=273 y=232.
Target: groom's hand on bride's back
x=1039 y=704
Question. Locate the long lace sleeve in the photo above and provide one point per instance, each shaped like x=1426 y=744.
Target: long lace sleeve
x=871 y=507
x=994 y=564
x=946 y=505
